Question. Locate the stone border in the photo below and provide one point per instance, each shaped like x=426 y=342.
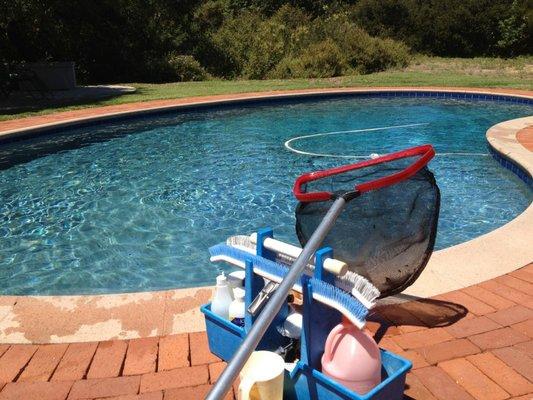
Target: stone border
x=508 y=141
x=494 y=253
x=22 y=127
x=61 y=319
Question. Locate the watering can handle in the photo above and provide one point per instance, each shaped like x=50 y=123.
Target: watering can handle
x=245 y=387
x=329 y=343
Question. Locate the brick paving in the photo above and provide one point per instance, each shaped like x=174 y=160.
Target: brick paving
x=474 y=343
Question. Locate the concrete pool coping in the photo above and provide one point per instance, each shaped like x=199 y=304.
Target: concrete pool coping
x=475 y=342
x=60 y=319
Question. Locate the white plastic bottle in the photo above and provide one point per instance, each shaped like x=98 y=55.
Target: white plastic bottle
x=292 y=327
x=236 y=279
x=222 y=298
x=236 y=308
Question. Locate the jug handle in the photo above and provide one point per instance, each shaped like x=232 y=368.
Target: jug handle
x=329 y=343
x=245 y=387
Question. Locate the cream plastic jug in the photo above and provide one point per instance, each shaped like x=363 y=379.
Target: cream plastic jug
x=262 y=377
x=352 y=358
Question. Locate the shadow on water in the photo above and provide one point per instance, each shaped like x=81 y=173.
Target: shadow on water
x=22 y=149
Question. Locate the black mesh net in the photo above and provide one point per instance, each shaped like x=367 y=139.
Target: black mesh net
x=387 y=235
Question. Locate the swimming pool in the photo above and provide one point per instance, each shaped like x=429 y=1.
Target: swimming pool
x=134 y=205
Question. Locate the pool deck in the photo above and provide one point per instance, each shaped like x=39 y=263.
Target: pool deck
x=473 y=343
x=469 y=331
x=64 y=319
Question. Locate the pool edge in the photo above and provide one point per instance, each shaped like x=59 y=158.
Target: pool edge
x=39 y=124
x=65 y=319
x=497 y=252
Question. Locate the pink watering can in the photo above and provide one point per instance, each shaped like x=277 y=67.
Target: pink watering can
x=352 y=358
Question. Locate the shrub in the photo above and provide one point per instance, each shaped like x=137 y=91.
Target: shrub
x=385 y=18
x=185 y=68
x=320 y=60
x=256 y=45
x=209 y=15
x=363 y=53
x=176 y=68
x=267 y=48
x=277 y=37
x=513 y=31
x=378 y=55
x=459 y=28
x=236 y=39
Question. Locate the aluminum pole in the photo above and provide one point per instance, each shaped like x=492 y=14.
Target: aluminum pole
x=272 y=308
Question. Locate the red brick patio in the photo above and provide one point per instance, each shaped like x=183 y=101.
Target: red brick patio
x=475 y=343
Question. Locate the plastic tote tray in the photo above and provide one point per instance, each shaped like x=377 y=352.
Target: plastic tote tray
x=224 y=338
x=305 y=381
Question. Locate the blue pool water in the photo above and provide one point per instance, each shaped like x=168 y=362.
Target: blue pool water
x=134 y=205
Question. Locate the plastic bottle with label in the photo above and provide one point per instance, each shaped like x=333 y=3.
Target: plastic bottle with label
x=237 y=308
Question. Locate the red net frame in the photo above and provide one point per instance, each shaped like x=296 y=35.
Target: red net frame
x=425 y=153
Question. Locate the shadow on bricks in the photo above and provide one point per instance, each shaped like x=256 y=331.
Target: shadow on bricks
x=427 y=313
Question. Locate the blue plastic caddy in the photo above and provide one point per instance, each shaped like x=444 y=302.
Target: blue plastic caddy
x=304 y=381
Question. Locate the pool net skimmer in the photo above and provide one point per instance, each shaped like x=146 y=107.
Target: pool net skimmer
x=387 y=229
x=390 y=204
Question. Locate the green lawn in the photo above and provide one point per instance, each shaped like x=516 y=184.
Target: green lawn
x=424 y=71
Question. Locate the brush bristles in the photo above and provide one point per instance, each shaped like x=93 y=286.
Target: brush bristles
x=351 y=282
x=343 y=301
x=355 y=308
x=365 y=291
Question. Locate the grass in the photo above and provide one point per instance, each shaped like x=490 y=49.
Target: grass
x=514 y=73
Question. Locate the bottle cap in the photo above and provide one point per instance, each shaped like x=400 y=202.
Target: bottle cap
x=238 y=293
x=221 y=279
